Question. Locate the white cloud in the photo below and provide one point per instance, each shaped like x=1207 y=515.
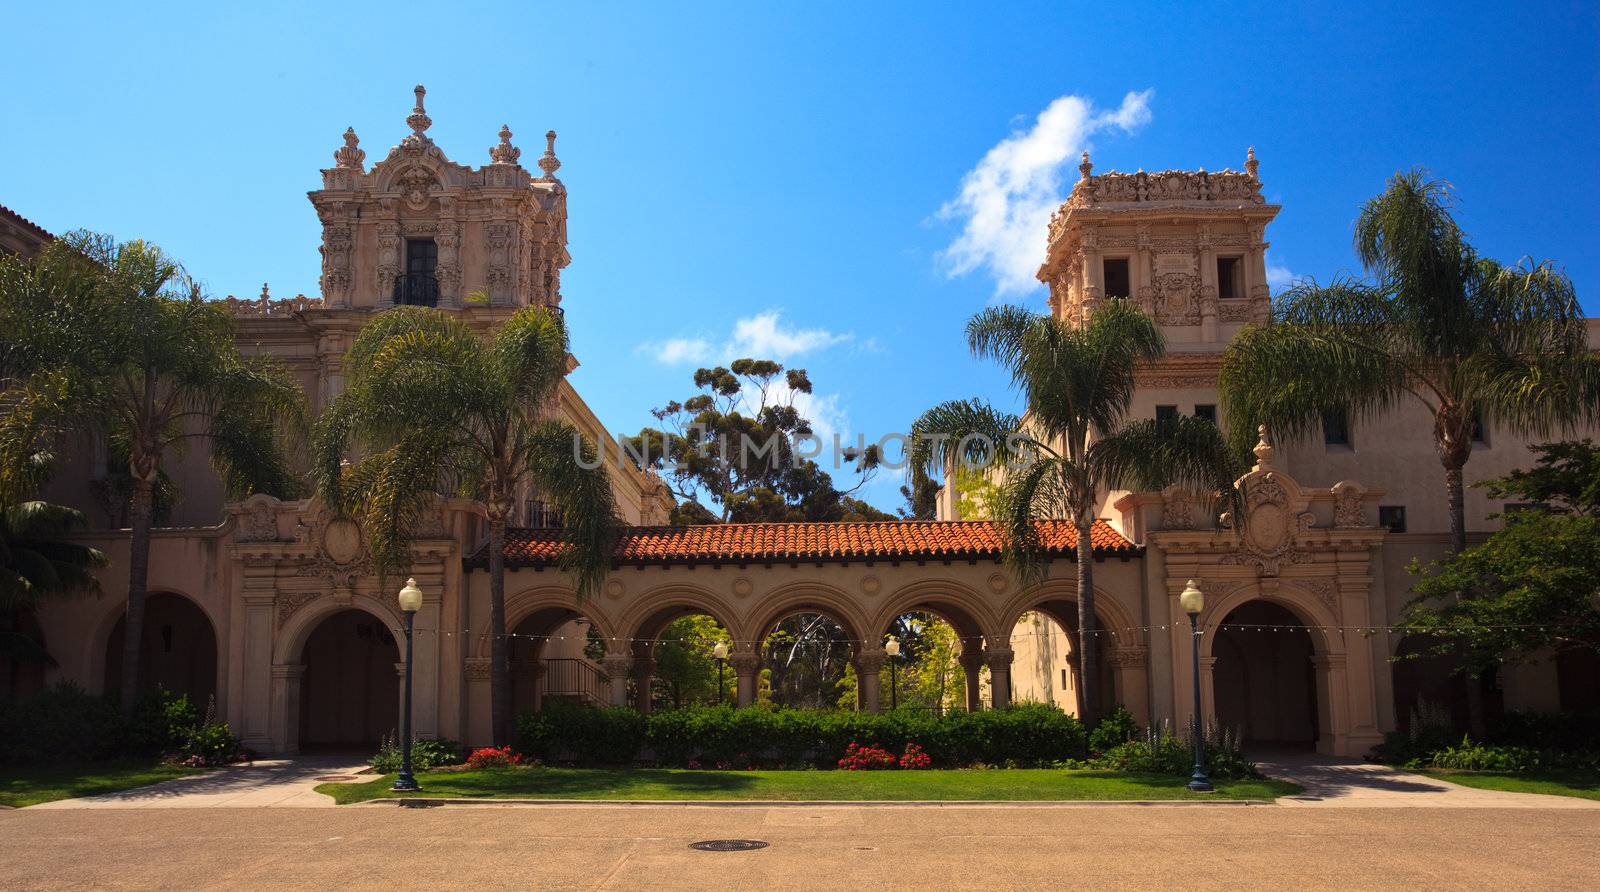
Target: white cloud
x=1005 y=201
x=1279 y=277
x=762 y=336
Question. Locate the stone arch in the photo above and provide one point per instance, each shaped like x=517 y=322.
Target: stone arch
x=807 y=597
x=191 y=666
x=543 y=665
x=967 y=611
x=291 y=638
x=653 y=610
x=1121 y=651
x=1108 y=610
x=22 y=679
x=1250 y=668
x=349 y=663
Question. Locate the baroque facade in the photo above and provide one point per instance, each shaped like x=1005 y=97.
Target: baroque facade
x=273 y=608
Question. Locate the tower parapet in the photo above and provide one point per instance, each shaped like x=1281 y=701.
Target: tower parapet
x=1188 y=246
x=420 y=228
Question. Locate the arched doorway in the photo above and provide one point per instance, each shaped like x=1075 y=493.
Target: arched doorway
x=350 y=694
x=178 y=653
x=674 y=660
x=1046 y=667
x=1264 y=682
x=555 y=653
x=26 y=660
x=1578 y=679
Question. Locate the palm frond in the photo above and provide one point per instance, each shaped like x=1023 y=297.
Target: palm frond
x=969 y=431
x=563 y=465
x=1036 y=493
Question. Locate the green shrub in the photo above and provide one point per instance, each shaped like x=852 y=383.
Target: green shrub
x=427 y=752
x=62 y=724
x=1431 y=729
x=1160 y=751
x=1469 y=756
x=761 y=735
x=1114 y=730
x=1571 y=730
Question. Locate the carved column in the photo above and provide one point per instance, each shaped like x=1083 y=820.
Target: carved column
x=972 y=666
x=1143 y=271
x=747 y=672
x=1256 y=276
x=1094 y=273
x=617 y=668
x=286 y=684
x=253 y=709
x=1132 y=667
x=1333 y=704
x=1208 y=285
x=389 y=259
x=999 y=660
x=644 y=671
x=868 y=663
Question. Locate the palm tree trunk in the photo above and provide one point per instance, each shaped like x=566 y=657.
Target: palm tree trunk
x=141 y=507
x=1455 y=492
x=499 y=651
x=1088 y=669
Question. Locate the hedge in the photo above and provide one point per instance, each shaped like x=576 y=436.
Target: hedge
x=1025 y=735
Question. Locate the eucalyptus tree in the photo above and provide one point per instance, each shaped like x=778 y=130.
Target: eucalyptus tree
x=139 y=358
x=1469 y=340
x=433 y=407
x=1076 y=442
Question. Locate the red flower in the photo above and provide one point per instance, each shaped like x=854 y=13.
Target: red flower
x=493 y=757
x=866 y=758
x=914 y=757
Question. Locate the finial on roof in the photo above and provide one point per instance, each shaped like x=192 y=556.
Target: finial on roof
x=1250 y=162
x=505 y=152
x=265 y=296
x=1085 y=168
x=350 y=154
x=549 y=163
x=1264 y=451
x=418 y=120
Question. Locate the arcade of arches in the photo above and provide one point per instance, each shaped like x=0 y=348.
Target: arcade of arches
x=298 y=640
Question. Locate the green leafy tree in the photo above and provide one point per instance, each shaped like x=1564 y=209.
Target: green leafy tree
x=38 y=561
x=732 y=445
x=1534 y=585
x=1076 y=442
x=433 y=407
x=157 y=370
x=1470 y=340
x=686 y=669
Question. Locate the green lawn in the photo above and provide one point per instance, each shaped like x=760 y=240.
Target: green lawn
x=33 y=784
x=1582 y=784
x=662 y=783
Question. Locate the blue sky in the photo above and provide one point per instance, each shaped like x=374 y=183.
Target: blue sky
x=786 y=178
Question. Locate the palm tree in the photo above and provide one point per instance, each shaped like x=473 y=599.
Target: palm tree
x=151 y=365
x=39 y=562
x=1472 y=341
x=432 y=406
x=1075 y=443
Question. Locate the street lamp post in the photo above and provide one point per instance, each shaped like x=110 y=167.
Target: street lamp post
x=410 y=602
x=721 y=653
x=1193 y=601
x=892 y=648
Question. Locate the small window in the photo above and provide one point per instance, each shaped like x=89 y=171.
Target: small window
x=1479 y=436
x=1335 y=428
x=1116 y=274
x=1063 y=679
x=1393 y=517
x=1228 y=284
x=1208 y=411
x=1166 y=413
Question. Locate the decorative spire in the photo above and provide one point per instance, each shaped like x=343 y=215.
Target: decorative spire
x=549 y=163
x=349 y=155
x=1250 y=162
x=505 y=152
x=1264 y=451
x=418 y=120
x=1085 y=168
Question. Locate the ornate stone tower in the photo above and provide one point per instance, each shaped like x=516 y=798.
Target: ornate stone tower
x=1189 y=246
x=419 y=228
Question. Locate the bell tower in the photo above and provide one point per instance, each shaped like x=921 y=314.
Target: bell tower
x=419 y=228
x=1188 y=246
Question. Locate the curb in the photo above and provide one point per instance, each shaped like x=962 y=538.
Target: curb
x=423 y=802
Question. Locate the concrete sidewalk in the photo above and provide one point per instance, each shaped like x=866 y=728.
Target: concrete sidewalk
x=262 y=784
x=1333 y=782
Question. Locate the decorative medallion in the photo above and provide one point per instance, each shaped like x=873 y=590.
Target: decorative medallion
x=742 y=587
x=615 y=589
x=870 y=585
x=341 y=541
x=998 y=582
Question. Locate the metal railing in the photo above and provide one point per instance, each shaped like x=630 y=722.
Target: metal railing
x=416 y=289
x=543 y=517
x=573 y=679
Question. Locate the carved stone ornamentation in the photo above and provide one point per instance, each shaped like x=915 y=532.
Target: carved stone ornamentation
x=1326 y=591
x=289 y=602
x=504 y=152
x=1276 y=516
x=479 y=669
x=1348 y=511
x=1175 y=299
x=1177 y=509
x=1234 y=310
x=417 y=186
x=258 y=520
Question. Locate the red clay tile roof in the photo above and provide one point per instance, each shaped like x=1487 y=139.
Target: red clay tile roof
x=29 y=224
x=785 y=542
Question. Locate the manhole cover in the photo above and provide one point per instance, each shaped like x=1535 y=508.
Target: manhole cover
x=728 y=845
x=332 y=778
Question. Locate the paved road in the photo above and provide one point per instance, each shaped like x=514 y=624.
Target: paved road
x=618 y=847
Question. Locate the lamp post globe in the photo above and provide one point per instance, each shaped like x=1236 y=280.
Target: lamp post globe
x=720 y=653
x=891 y=648
x=1193 y=602
x=410 y=598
